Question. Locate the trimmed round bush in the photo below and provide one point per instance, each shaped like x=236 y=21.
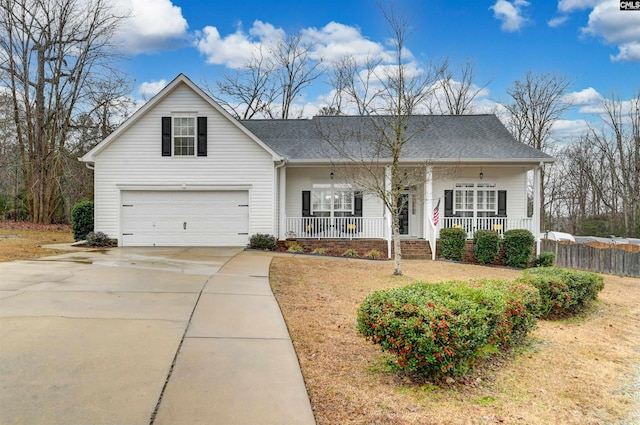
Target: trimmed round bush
x=546 y=259
x=452 y=242
x=518 y=247
x=263 y=241
x=440 y=330
x=563 y=292
x=486 y=246
x=82 y=219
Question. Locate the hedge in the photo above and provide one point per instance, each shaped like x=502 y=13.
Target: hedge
x=518 y=247
x=439 y=330
x=486 y=246
x=563 y=292
x=82 y=219
x=452 y=242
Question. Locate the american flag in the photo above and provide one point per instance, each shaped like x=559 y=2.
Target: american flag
x=436 y=214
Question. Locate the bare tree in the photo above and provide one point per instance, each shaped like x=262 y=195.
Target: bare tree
x=53 y=52
x=249 y=92
x=455 y=91
x=387 y=95
x=537 y=102
x=295 y=70
x=270 y=82
x=618 y=144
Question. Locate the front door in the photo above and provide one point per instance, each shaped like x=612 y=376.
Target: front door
x=403 y=213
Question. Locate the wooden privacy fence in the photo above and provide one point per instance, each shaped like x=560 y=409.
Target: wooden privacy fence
x=600 y=260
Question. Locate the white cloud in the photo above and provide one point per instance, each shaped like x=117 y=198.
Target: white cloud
x=335 y=40
x=587 y=96
x=149 y=89
x=569 y=129
x=151 y=25
x=510 y=13
x=572 y=5
x=628 y=52
x=235 y=50
x=556 y=22
x=608 y=22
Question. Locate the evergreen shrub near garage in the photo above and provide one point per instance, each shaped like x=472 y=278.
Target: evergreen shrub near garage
x=563 y=292
x=82 y=219
x=452 y=242
x=439 y=330
x=263 y=241
x=486 y=246
x=518 y=247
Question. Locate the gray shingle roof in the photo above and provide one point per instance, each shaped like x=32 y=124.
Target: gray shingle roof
x=437 y=138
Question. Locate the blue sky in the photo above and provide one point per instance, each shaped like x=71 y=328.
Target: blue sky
x=591 y=42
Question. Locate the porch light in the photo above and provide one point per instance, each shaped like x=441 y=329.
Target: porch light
x=481 y=174
x=331 y=175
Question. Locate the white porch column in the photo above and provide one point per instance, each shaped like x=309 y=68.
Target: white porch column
x=536 y=206
x=387 y=212
x=428 y=202
x=282 y=197
x=429 y=232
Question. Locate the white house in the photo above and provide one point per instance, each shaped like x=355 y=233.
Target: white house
x=183 y=172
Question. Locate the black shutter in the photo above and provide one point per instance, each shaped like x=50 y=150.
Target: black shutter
x=166 y=136
x=202 y=136
x=448 y=203
x=306 y=203
x=357 y=204
x=502 y=203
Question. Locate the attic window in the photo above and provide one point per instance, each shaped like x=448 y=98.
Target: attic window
x=184 y=136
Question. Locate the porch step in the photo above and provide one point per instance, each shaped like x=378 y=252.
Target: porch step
x=415 y=249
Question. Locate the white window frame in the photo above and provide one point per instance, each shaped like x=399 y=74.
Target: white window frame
x=488 y=191
x=192 y=137
x=466 y=202
x=332 y=198
x=466 y=198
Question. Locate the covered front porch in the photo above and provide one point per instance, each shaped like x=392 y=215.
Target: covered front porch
x=314 y=204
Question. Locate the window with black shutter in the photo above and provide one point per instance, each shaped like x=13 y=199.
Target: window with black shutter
x=306 y=203
x=184 y=135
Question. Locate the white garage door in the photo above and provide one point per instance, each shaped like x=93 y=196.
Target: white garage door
x=185 y=218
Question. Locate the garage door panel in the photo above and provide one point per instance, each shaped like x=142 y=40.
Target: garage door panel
x=191 y=218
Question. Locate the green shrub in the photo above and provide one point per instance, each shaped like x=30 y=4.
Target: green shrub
x=563 y=292
x=319 y=251
x=441 y=329
x=452 y=242
x=374 y=254
x=82 y=219
x=295 y=248
x=486 y=246
x=518 y=247
x=99 y=239
x=263 y=241
x=350 y=253
x=546 y=259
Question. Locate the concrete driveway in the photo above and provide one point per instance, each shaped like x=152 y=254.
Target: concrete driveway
x=146 y=336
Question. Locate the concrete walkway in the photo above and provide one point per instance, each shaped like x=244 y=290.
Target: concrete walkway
x=146 y=336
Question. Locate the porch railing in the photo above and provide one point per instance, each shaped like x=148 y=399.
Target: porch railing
x=335 y=227
x=499 y=224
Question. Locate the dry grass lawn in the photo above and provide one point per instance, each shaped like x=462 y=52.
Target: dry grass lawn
x=21 y=241
x=580 y=371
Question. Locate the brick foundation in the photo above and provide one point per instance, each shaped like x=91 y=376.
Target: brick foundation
x=416 y=249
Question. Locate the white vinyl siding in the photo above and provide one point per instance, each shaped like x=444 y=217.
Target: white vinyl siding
x=135 y=159
x=303 y=178
x=512 y=179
